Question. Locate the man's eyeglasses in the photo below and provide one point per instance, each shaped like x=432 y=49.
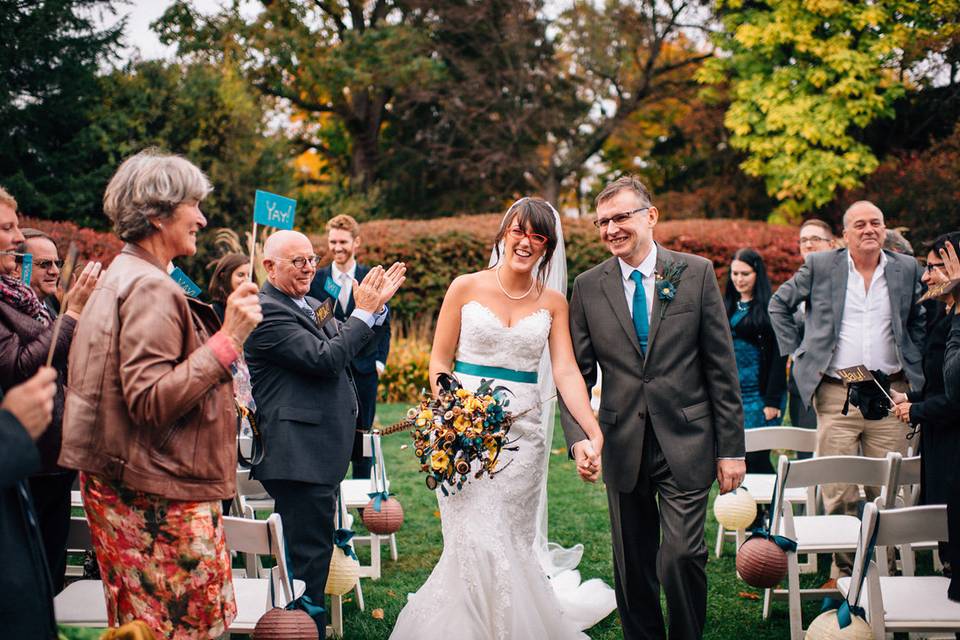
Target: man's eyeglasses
x=301 y=261
x=813 y=240
x=535 y=239
x=46 y=265
x=617 y=218
x=932 y=266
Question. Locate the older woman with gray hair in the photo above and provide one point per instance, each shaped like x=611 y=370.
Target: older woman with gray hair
x=150 y=420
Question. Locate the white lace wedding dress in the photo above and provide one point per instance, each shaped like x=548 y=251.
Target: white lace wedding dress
x=489 y=583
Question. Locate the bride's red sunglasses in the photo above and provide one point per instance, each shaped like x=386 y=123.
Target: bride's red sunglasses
x=535 y=239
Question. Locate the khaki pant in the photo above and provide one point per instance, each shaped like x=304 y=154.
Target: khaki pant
x=851 y=435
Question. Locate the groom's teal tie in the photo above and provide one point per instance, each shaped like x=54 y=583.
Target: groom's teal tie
x=640 y=321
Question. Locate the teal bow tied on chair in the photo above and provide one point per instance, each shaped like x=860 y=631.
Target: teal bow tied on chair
x=783 y=542
x=640 y=321
x=378 y=497
x=341 y=538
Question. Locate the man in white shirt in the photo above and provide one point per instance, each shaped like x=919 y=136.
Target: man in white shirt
x=861 y=309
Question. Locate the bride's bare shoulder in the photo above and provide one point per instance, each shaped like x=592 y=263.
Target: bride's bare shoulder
x=553 y=300
x=467 y=282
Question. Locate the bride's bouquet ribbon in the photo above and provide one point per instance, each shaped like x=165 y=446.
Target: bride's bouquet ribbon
x=783 y=542
x=341 y=538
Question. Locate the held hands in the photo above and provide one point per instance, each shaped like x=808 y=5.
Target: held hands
x=32 y=402
x=378 y=287
x=242 y=314
x=80 y=292
x=730 y=474
x=586 y=453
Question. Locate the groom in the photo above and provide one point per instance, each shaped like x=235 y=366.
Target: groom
x=670 y=410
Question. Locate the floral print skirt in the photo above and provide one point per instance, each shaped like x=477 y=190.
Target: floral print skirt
x=162 y=561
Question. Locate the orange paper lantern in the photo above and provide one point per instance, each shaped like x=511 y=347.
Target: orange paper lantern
x=761 y=563
x=286 y=624
x=386 y=521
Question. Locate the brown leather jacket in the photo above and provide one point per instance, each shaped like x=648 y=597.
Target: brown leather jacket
x=148 y=401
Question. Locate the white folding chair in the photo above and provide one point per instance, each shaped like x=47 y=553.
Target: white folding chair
x=901 y=603
x=815 y=533
x=81 y=603
x=760 y=485
x=356 y=496
x=252 y=492
x=78 y=541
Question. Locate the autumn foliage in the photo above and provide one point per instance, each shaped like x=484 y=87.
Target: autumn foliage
x=91 y=244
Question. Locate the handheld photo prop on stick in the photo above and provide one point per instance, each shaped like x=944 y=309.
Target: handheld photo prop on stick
x=66 y=276
x=26 y=268
x=860 y=373
x=270 y=210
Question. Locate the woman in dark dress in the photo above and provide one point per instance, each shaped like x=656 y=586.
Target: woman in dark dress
x=937 y=415
x=761 y=368
x=231 y=271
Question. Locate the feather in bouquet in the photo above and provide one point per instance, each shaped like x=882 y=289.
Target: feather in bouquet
x=456 y=430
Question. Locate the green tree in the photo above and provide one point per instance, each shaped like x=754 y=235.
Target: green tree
x=806 y=79
x=50 y=53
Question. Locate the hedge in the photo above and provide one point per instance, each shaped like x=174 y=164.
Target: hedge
x=91 y=244
x=436 y=251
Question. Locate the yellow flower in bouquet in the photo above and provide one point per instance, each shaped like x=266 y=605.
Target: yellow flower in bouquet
x=461 y=423
x=473 y=404
x=425 y=417
x=439 y=460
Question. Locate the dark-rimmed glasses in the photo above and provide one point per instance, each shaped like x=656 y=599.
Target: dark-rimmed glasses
x=301 y=261
x=812 y=240
x=931 y=266
x=535 y=239
x=617 y=218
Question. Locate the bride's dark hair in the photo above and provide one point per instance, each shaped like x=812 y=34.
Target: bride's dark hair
x=539 y=215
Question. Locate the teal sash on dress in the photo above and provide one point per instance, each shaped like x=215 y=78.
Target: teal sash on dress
x=497 y=373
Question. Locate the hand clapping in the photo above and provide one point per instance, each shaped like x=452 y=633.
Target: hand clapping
x=378 y=287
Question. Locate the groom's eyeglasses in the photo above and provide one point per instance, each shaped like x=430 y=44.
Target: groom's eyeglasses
x=617 y=218
x=535 y=239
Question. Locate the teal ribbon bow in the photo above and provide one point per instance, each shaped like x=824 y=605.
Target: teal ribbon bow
x=378 y=498
x=845 y=611
x=781 y=541
x=307 y=604
x=341 y=538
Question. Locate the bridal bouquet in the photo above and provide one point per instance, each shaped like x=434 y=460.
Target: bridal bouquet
x=456 y=429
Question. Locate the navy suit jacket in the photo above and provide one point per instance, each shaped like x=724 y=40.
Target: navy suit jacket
x=377 y=350
x=307 y=405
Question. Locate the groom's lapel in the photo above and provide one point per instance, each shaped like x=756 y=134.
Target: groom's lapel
x=612 y=285
x=662 y=257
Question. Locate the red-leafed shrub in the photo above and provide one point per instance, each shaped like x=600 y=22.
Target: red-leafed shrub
x=92 y=245
x=438 y=250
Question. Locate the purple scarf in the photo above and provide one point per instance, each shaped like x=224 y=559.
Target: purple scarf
x=22 y=298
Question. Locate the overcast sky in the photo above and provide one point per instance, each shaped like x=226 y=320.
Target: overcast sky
x=139 y=36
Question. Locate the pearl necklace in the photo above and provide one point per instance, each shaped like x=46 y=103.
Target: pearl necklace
x=502 y=288
x=743 y=306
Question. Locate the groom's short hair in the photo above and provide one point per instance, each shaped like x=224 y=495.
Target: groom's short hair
x=627 y=182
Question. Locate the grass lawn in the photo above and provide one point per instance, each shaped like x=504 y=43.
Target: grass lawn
x=578 y=513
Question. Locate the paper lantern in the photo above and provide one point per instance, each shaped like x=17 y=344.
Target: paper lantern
x=761 y=563
x=386 y=521
x=343 y=575
x=826 y=627
x=286 y=624
x=735 y=510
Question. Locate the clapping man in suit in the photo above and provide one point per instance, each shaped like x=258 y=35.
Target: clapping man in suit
x=861 y=309
x=653 y=320
x=335 y=282
x=307 y=407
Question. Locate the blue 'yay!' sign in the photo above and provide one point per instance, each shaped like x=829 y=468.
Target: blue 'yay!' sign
x=272 y=210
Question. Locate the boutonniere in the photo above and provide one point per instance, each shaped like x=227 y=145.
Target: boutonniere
x=666 y=282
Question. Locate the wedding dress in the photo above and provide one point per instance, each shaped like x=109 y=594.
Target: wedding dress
x=489 y=582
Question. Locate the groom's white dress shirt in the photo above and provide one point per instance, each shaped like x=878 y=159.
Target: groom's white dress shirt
x=647 y=268
x=345 y=280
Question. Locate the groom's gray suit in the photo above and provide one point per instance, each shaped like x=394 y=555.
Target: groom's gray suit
x=666 y=418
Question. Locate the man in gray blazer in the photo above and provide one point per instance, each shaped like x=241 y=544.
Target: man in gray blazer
x=861 y=309
x=653 y=320
x=307 y=409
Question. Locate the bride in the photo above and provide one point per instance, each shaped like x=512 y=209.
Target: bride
x=497 y=577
